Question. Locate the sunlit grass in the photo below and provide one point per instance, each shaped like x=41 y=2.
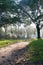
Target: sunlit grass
x=4 y=43
x=35 y=50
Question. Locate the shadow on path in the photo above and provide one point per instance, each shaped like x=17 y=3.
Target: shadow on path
x=15 y=57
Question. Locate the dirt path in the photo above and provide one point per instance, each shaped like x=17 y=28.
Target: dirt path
x=10 y=55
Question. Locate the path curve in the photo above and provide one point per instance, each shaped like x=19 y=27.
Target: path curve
x=7 y=51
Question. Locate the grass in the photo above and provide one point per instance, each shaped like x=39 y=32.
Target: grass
x=35 y=51
x=4 y=43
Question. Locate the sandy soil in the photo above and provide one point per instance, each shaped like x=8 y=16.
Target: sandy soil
x=12 y=54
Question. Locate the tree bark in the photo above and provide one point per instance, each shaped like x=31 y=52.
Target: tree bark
x=38 y=31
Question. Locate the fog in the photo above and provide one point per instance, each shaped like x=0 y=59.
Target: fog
x=13 y=31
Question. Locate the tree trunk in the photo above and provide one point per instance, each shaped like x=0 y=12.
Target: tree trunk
x=38 y=31
x=5 y=31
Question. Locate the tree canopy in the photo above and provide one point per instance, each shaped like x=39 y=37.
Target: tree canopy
x=31 y=10
x=34 y=9
x=7 y=9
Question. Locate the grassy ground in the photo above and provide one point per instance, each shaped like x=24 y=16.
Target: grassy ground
x=35 y=51
x=4 y=43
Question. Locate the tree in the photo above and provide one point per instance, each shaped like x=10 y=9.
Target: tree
x=33 y=8
x=29 y=8
x=8 y=7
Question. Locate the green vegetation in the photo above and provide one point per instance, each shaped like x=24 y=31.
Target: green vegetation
x=4 y=43
x=35 y=51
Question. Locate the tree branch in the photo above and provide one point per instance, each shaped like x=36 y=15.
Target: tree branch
x=38 y=17
x=26 y=12
x=41 y=25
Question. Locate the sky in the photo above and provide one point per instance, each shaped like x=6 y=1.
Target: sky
x=17 y=1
